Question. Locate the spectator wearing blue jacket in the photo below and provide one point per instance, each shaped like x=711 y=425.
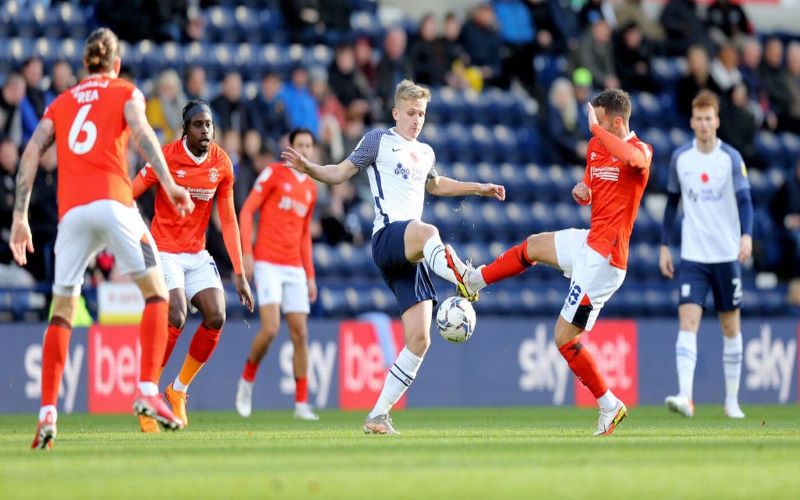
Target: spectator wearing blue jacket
x=33 y=105
x=518 y=35
x=301 y=107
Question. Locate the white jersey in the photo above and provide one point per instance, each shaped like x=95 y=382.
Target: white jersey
x=708 y=184
x=398 y=170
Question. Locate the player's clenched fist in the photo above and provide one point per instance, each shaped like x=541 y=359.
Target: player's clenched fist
x=493 y=190
x=581 y=194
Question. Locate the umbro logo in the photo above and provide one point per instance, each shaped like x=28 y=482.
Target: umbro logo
x=287 y=187
x=395 y=150
x=180 y=174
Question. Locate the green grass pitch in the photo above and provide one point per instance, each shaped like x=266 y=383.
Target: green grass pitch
x=452 y=453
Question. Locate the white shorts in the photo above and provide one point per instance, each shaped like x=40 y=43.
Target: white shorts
x=86 y=229
x=593 y=280
x=284 y=285
x=192 y=272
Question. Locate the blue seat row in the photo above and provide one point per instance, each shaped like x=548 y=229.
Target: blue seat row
x=525 y=298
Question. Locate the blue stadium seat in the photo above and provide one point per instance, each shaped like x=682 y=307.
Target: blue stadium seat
x=791 y=147
x=646 y=109
x=769 y=147
x=677 y=138
x=483 y=145
x=529 y=144
x=506 y=143
x=220 y=24
x=28 y=22
x=459 y=142
x=537 y=183
x=667 y=71
x=333 y=302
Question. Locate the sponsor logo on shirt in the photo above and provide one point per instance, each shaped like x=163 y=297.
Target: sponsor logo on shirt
x=606 y=173
x=202 y=194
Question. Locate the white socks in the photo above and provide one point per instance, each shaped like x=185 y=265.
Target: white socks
x=148 y=388
x=732 y=366
x=398 y=380
x=433 y=253
x=179 y=386
x=685 y=359
x=44 y=410
x=608 y=401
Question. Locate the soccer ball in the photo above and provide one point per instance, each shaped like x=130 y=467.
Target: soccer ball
x=456 y=319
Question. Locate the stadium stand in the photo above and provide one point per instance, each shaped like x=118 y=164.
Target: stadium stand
x=478 y=134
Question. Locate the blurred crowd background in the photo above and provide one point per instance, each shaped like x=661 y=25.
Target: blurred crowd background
x=510 y=81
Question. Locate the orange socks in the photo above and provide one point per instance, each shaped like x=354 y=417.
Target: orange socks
x=54 y=356
x=153 y=338
x=204 y=342
x=510 y=263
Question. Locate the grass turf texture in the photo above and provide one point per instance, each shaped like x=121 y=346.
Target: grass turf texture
x=453 y=453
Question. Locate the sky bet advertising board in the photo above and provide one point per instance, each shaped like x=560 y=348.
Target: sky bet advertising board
x=506 y=362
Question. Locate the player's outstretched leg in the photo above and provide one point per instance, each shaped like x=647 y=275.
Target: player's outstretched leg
x=581 y=362
x=54 y=356
x=416 y=324
x=512 y=262
x=270 y=315
x=422 y=242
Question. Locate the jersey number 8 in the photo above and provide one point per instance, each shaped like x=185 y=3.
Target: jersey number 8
x=81 y=124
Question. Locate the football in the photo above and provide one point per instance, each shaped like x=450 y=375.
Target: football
x=456 y=319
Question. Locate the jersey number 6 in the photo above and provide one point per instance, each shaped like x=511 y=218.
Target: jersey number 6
x=81 y=124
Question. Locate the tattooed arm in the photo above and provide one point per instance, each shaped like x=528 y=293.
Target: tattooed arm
x=21 y=239
x=147 y=143
x=41 y=139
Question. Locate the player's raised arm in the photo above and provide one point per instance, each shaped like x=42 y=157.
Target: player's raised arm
x=21 y=240
x=626 y=152
x=147 y=143
x=439 y=185
x=329 y=174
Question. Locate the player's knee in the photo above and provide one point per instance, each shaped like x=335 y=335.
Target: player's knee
x=419 y=343
x=299 y=336
x=534 y=245
x=427 y=231
x=215 y=319
x=177 y=317
x=268 y=332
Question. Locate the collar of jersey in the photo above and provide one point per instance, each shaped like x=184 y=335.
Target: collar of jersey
x=394 y=131
x=299 y=175
x=197 y=160
x=630 y=136
x=717 y=145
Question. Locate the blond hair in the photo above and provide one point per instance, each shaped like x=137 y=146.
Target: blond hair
x=102 y=47
x=706 y=99
x=407 y=90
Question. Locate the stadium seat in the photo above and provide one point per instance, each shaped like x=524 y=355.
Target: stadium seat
x=791 y=147
x=769 y=147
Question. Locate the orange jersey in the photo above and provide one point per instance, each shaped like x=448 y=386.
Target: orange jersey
x=616 y=190
x=285 y=200
x=92 y=141
x=203 y=178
